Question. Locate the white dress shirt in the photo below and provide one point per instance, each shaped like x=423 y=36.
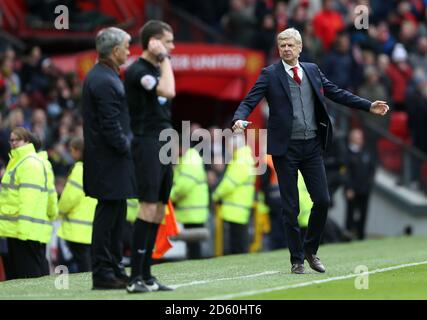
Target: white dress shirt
x=289 y=70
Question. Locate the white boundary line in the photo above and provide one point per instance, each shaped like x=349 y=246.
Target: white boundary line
x=309 y=283
x=193 y=283
x=253 y=292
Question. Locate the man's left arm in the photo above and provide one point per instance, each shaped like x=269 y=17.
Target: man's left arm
x=344 y=97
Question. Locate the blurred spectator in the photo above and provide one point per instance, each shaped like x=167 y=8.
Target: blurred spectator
x=236 y=193
x=400 y=72
x=65 y=94
x=15 y=119
x=408 y=35
x=334 y=159
x=313 y=49
x=381 y=38
x=281 y=15
x=402 y=14
x=327 y=23
x=360 y=176
x=312 y=6
x=339 y=64
x=372 y=87
x=23 y=103
x=4 y=143
x=11 y=80
x=416 y=98
x=299 y=18
x=32 y=76
x=40 y=127
x=239 y=23
x=418 y=59
x=265 y=36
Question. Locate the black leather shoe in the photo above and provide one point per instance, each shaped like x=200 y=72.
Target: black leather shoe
x=315 y=263
x=107 y=284
x=297 y=268
x=123 y=278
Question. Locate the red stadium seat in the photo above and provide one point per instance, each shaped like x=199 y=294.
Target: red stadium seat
x=399 y=125
x=390 y=155
x=2 y=273
x=424 y=176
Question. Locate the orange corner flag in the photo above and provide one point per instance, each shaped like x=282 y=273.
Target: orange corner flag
x=167 y=228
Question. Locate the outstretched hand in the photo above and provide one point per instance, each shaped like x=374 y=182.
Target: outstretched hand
x=379 y=107
x=240 y=125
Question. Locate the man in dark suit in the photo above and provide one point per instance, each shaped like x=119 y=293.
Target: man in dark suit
x=108 y=173
x=299 y=128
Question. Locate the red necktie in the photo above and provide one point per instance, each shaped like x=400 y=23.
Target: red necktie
x=296 y=77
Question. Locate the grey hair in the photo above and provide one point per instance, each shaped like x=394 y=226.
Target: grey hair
x=108 y=38
x=290 y=33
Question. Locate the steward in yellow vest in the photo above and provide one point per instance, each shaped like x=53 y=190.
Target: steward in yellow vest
x=236 y=193
x=24 y=218
x=190 y=195
x=77 y=212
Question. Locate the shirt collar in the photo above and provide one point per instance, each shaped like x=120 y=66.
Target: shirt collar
x=288 y=67
x=110 y=64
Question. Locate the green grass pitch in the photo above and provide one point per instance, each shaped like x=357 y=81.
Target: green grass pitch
x=397 y=266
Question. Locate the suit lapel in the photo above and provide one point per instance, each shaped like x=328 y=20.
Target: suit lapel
x=281 y=73
x=314 y=84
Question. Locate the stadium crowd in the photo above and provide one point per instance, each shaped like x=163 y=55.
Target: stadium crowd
x=388 y=60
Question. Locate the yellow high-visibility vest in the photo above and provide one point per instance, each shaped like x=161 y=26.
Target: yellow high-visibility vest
x=305 y=203
x=76 y=209
x=24 y=197
x=132 y=210
x=190 y=191
x=52 y=202
x=237 y=188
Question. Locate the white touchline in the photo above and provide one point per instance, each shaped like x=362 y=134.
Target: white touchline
x=309 y=283
x=266 y=273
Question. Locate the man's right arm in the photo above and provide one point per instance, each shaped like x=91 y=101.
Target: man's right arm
x=166 y=85
x=257 y=92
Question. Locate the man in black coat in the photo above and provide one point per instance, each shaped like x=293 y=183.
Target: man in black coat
x=108 y=173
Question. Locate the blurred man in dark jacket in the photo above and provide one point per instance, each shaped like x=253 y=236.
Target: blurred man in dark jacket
x=359 y=181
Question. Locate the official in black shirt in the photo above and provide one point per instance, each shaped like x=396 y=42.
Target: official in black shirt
x=150 y=85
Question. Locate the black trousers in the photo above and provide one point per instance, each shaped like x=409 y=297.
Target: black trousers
x=306 y=156
x=81 y=255
x=358 y=203
x=25 y=259
x=194 y=249
x=238 y=238
x=107 y=238
x=277 y=235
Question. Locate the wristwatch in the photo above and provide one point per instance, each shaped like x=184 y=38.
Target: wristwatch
x=162 y=56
